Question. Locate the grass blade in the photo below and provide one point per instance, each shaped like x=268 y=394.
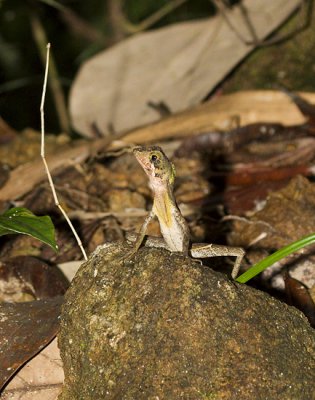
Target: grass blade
x=278 y=255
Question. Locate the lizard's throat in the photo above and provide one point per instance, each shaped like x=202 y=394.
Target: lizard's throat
x=163 y=205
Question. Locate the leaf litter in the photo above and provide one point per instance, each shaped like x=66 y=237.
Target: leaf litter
x=113 y=192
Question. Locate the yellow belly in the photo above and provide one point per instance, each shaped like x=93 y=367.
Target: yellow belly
x=163 y=209
x=172 y=223
x=173 y=237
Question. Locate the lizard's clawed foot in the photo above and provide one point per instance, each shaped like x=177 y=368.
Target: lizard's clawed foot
x=237 y=264
x=198 y=261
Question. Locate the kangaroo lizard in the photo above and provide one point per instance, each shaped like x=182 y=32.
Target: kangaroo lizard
x=174 y=228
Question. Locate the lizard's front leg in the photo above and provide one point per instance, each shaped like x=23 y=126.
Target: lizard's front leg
x=217 y=250
x=140 y=235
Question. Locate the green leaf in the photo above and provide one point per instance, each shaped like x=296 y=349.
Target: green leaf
x=22 y=220
x=277 y=256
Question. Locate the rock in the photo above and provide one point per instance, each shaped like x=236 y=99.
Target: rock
x=161 y=326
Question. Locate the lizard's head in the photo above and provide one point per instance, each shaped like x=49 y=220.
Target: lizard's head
x=156 y=165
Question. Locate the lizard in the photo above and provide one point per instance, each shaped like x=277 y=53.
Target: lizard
x=174 y=228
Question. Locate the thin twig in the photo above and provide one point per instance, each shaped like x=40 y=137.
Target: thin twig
x=81 y=28
x=222 y=9
x=133 y=213
x=117 y=19
x=303 y=23
x=42 y=153
x=54 y=82
x=152 y=19
x=76 y=24
x=305 y=5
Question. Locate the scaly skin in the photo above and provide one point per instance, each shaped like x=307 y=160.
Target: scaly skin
x=161 y=173
x=174 y=228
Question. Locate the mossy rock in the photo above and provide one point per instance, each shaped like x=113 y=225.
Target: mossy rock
x=162 y=326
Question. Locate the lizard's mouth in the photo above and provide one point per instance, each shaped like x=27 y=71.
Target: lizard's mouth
x=142 y=159
x=145 y=164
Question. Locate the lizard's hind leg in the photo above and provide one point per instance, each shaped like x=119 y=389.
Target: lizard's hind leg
x=217 y=250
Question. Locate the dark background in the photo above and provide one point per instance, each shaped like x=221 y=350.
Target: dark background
x=290 y=63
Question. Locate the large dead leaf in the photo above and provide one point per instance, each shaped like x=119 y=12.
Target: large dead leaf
x=41 y=378
x=178 y=65
x=25 y=329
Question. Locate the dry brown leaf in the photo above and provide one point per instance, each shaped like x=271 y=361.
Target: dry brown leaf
x=41 y=378
x=70 y=268
x=24 y=330
x=25 y=177
x=7 y=133
x=24 y=277
x=247 y=106
x=178 y=65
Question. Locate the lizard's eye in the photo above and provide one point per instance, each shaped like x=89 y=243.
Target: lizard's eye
x=153 y=157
